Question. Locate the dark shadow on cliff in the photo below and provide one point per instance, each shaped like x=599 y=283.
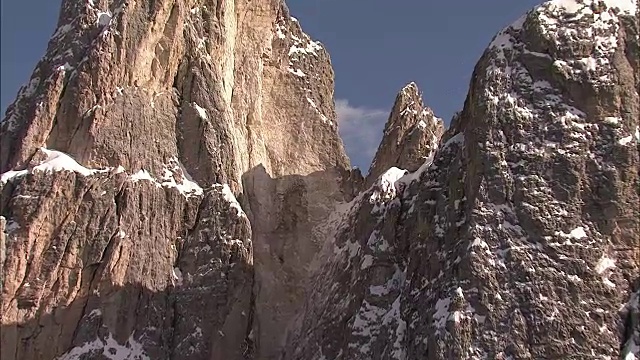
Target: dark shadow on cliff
x=114 y=317
x=285 y=213
x=177 y=323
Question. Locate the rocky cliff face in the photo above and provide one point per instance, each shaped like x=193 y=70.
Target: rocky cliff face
x=122 y=160
x=173 y=187
x=520 y=238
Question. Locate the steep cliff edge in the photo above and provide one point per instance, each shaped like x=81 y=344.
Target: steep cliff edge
x=121 y=159
x=520 y=238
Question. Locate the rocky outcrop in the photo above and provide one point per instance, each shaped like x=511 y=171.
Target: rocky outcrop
x=411 y=135
x=102 y=261
x=122 y=160
x=520 y=239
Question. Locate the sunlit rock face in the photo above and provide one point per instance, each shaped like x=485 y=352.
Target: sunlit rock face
x=164 y=174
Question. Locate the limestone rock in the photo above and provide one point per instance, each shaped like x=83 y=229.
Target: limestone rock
x=520 y=240
x=411 y=135
x=121 y=162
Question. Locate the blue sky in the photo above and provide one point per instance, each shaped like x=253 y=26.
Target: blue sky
x=376 y=46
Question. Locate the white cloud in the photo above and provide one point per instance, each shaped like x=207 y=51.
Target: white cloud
x=361 y=130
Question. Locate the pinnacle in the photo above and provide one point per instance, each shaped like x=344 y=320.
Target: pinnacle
x=411 y=85
x=411 y=90
x=401 y=146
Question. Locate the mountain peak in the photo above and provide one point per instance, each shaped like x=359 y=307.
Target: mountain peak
x=411 y=134
x=411 y=88
x=526 y=217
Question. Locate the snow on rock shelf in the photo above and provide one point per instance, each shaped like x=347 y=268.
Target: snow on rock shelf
x=109 y=349
x=573 y=6
x=385 y=188
x=59 y=161
x=54 y=161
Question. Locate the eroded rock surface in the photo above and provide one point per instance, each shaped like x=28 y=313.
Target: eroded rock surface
x=97 y=258
x=520 y=239
x=173 y=187
x=122 y=159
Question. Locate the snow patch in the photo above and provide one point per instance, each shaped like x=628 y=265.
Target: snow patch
x=62 y=30
x=385 y=187
x=201 y=43
x=66 y=67
x=369 y=323
x=315 y=107
x=632 y=346
x=367 y=261
x=612 y=120
x=143 y=175
x=456 y=139
x=411 y=177
x=95 y=313
x=109 y=349
x=10 y=225
x=589 y=64
x=604 y=264
x=153 y=99
x=55 y=161
x=177 y=275
x=231 y=199
x=103 y=18
x=392 y=284
x=296 y=72
x=573 y=6
x=186 y=185
x=625 y=140
x=366 y=324
x=59 y=161
x=202 y=112
x=442 y=313
x=279 y=31
x=352 y=247
x=310 y=48
x=577 y=233
x=632 y=349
